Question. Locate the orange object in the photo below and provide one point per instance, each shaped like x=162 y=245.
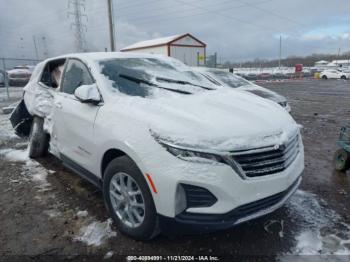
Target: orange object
x=151 y=183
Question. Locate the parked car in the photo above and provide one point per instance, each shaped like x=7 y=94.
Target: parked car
x=225 y=78
x=2 y=78
x=334 y=74
x=20 y=75
x=171 y=151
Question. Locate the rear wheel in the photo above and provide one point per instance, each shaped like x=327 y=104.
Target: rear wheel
x=342 y=160
x=324 y=77
x=129 y=200
x=38 y=139
x=343 y=77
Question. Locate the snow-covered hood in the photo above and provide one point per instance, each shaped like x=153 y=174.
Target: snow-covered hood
x=264 y=93
x=217 y=120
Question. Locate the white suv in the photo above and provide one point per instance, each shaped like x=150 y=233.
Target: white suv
x=171 y=151
x=334 y=74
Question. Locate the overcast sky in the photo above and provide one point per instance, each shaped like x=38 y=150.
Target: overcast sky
x=236 y=29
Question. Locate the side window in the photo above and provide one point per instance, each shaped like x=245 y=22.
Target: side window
x=76 y=74
x=51 y=73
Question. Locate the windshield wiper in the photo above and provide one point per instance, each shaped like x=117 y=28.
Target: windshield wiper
x=181 y=82
x=139 y=81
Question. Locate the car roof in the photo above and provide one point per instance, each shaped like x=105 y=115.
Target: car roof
x=107 y=55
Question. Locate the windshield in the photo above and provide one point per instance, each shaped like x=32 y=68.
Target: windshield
x=230 y=79
x=147 y=76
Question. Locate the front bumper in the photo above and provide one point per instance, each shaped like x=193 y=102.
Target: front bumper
x=18 y=81
x=201 y=223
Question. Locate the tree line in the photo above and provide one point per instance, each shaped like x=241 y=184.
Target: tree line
x=290 y=60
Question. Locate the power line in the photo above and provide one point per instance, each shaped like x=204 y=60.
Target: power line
x=146 y=18
x=271 y=13
x=78 y=11
x=221 y=14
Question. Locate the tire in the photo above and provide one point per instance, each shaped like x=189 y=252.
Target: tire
x=324 y=77
x=342 y=160
x=148 y=228
x=343 y=77
x=38 y=139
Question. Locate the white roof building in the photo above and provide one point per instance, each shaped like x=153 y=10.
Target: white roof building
x=186 y=48
x=321 y=62
x=345 y=62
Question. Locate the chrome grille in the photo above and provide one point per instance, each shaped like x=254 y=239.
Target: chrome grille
x=267 y=161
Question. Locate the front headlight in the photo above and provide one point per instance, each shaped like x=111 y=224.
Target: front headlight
x=192 y=155
x=188 y=154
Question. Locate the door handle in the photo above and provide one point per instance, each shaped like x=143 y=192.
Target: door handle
x=58 y=105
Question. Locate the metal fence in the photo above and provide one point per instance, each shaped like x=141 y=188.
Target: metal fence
x=7 y=92
x=9 y=63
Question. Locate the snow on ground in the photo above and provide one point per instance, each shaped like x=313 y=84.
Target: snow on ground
x=96 y=233
x=108 y=255
x=32 y=170
x=322 y=229
x=14 y=155
x=6 y=130
x=38 y=174
x=82 y=213
x=52 y=213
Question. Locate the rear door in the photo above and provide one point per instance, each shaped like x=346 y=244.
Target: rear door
x=74 y=120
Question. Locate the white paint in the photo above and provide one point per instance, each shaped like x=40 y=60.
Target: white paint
x=217 y=120
x=156 y=50
x=188 y=55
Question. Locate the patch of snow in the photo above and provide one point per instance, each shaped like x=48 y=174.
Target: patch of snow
x=82 y=213
x=321 y=226
x=152 y=42
x=108 y=255
x=21 y=145
x=15 y=155
x=52 y=213
x=6 y=130
x=37 y=173
x=96 y=233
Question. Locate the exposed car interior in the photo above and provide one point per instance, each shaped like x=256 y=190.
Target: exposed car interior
x=52 y=73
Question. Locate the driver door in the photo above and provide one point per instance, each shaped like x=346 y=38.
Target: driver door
x=73 y=129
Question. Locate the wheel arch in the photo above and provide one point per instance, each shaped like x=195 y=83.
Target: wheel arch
x=108 y=156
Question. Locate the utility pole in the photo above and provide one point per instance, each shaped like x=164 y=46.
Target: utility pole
x=36 y=48
x=45 y=48
x=280 y=56
x=111 y=25
x=78 y=9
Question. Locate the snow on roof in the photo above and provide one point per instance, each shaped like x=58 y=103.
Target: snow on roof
x=322 y=62
x=153 y=42
x=96 y=56
x=347 y=61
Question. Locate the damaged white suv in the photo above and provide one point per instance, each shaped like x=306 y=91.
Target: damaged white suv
x=171 y=151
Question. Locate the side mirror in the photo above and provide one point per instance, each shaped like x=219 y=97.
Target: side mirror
x=88 y=94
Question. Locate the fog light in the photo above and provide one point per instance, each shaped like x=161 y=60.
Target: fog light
x=180 y=200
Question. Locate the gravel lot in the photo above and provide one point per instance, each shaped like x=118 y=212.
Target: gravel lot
x=47 y=210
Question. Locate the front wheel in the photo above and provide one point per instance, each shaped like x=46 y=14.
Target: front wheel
x=38 y=139
x=129 y=200
x=324 y=77
x=342 y=160
x=343 y=77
